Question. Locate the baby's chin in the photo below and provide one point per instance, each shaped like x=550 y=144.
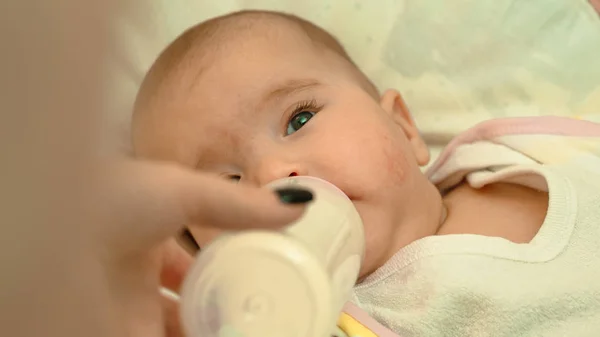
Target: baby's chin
x=377 y=254
x=366 y=269
x=363 y=276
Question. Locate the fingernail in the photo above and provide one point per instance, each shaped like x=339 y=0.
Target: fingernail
x=294 y=195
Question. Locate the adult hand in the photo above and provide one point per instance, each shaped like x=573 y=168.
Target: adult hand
x=86 y=243
x=143 y=206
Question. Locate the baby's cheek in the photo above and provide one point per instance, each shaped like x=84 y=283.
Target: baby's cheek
x=394 y=161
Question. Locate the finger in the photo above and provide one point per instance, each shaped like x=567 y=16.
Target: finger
x=158 y=199
x=176 y=261
x=211 y=201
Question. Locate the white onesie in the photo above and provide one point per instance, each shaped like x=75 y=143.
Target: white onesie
x=472 y=285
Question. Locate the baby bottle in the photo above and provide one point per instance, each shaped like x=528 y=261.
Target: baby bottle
x=292 y=282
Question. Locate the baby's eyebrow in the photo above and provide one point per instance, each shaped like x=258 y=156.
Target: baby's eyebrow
x=289 y=87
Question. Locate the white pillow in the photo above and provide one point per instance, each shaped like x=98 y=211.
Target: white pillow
x=456 y=62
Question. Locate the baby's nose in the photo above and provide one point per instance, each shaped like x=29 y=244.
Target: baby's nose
x=269 y=170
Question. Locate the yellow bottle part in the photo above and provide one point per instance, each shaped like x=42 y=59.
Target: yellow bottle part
x=352 y=328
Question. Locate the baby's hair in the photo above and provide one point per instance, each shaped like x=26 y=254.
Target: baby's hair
x=322 y=38
x=199 y=43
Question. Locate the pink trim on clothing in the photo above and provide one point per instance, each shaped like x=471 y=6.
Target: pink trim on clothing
x=548 y=125
x=369 y=322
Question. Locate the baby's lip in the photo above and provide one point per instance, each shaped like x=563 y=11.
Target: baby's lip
x=351 y=197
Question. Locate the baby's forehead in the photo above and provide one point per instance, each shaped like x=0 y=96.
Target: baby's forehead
x=238 y=34
x=215 y=65
x=256 y=66
x=244 y=33
x=233 y=56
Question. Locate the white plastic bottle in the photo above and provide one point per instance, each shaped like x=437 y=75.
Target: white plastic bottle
x=280 y=284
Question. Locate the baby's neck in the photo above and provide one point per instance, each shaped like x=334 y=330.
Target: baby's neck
x=429 y=214
x=510 y=211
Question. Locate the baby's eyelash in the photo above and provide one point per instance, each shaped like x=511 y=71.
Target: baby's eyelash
x=308 y=105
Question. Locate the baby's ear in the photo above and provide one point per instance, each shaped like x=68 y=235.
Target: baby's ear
x=391 y=101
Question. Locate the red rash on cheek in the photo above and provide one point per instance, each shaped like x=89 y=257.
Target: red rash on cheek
x=389 y=163
x=396 y=166
x=393 y=160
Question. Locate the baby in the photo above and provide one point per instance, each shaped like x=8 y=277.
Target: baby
x=255 y=96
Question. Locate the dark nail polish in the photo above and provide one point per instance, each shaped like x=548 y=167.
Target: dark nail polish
x=294 y=195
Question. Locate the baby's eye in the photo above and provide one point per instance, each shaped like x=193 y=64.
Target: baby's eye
x=298 y=120
x=234 y=177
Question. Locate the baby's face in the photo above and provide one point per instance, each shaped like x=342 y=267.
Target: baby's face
x=272 y=110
